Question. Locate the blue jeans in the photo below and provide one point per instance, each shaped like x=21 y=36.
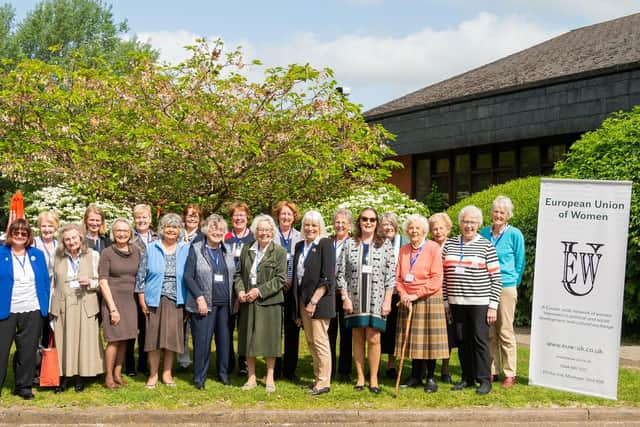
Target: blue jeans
x=203 y=329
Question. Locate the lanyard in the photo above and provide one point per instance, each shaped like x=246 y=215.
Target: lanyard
x=496 y=241
x=46 y=249
x=461 y=251
x=414 y=258
x=237 y=239
x=75 y=264
x=214 y=254
x=22 y=263
x=337 y=245
x=305 y=251
x=285 y=242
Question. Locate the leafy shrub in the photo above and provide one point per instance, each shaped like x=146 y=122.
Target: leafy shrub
x=385 y=198
x=612 y=152
x=524 y=194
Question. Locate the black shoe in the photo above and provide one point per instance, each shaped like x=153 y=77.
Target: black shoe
x=344 y=378
x=132 y=373
x=495 y=378
x=358 y=387
x=446 y=378
x=431 y=386
x=462 y=385
x=79 y=385
x=411 y=382
x=392 y=373
x=243 y=372
x=224 y=380
x=484 y=388
x=25 y=394
x=199 y=386
x=374 y=390
x=319 y=391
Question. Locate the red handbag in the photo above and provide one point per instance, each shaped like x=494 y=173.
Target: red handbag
x=50 y=368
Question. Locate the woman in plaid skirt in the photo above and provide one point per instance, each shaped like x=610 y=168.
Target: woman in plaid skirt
x=419 y=285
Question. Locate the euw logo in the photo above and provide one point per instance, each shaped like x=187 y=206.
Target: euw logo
x=580 y=267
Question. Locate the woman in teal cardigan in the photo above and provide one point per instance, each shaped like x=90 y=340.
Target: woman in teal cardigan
x=509 y=244
x=258 y=283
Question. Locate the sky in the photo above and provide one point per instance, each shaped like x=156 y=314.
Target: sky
x=380 y=49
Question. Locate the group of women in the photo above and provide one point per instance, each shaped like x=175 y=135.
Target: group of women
x=364 y=281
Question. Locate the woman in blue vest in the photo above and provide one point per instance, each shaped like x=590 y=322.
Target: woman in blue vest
x=24 y=301
x=161 y=290
x=208 y=278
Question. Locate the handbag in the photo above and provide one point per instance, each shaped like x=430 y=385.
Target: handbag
x=50 y=368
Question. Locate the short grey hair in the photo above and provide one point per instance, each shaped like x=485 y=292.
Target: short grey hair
x=314 y=217
x=214 y=220
x=505 y=203
x=262 y=218
x=416 y=218
x=470 y=210
x=171 y=220
x=346 y=212
x=124 y=221
x=391 y=218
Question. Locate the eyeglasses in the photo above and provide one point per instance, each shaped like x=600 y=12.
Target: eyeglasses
x=193 y=216
x=265 y=230
x=20 y=233
x=469 y=223
x=368 y=219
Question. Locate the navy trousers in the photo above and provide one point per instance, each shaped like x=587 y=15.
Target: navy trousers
x=472 y=330
x=203 y=329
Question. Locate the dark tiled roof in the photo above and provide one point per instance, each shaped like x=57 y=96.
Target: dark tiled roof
x=588 y=50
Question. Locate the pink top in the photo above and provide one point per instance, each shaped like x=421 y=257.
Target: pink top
x=426 y=271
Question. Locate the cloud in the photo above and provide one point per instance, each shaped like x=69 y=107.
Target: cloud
x=593 y=10
x=388 y=67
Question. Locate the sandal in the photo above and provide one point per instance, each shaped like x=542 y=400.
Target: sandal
x=248 y=386
x=150 y=386
x=270 y=388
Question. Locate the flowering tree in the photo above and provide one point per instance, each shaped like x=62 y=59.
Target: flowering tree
x=197 y=132
x=384 y=198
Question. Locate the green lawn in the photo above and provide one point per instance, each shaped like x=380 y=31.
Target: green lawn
x=290 y=396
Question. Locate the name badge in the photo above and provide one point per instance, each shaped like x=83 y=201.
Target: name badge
x=218 y=278
x=74 y=284
x=237 y=250
x=366 y=269
x=459 y=270
x=254 y=281
x=408 y=277
x=288 y=256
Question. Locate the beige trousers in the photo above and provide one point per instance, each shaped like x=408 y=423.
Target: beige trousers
x=502 y=337
x=315 y=330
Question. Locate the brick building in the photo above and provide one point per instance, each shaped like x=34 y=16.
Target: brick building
x=513 y=117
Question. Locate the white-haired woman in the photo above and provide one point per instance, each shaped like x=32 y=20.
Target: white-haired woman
x=161 y=292
x=209 y=280
x=509 y=244
x=314 y=290
x=472 y=285
x=419 y=285
x=117 y=272
x=366 y=278
x=259 y=280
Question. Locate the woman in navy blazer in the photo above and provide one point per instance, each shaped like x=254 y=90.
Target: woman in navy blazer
x=24 y=302
x=314 y=283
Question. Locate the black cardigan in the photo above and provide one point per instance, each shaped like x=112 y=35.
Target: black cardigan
x=319 y=270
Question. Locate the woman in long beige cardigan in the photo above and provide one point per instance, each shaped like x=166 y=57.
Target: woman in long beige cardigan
x=75 y=309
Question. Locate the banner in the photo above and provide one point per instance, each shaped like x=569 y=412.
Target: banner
x=578 y=285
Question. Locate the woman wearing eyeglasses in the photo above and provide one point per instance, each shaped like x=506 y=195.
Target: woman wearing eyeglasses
x=471 y=289
x=366 y=279
x=24 y=301
x=258 y=282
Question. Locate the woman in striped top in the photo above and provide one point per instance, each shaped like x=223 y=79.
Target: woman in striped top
x=472 y=286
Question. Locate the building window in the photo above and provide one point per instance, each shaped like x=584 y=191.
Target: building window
x=422 y=178
x=462 y=182
x=530 y=160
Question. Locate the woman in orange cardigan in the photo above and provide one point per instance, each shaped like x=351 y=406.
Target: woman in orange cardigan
x=419 y=285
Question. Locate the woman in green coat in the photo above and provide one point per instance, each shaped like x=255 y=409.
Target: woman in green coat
x=259 y=280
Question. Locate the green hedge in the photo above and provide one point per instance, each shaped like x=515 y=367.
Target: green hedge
x=524 y=194
x=612 y=152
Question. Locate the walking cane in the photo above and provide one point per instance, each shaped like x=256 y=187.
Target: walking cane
x=404 y=347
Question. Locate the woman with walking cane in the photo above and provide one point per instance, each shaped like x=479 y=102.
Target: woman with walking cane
x=419 y=285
